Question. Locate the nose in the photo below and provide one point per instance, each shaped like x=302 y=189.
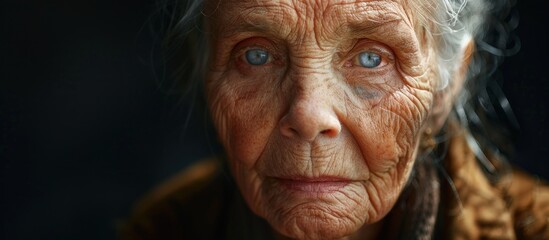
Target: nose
x=309 y=118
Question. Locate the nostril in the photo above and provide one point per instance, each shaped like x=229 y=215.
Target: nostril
x=329 y=132
x=294 y=131
x=289 y=131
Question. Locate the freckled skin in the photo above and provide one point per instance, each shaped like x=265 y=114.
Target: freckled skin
x=312 y=111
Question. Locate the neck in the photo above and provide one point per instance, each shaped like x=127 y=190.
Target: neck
x=366 y=232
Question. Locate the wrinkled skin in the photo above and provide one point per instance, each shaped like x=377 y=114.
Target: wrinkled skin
x=319 y=145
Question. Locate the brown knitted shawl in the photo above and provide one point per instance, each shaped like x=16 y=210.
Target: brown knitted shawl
x=452 y=199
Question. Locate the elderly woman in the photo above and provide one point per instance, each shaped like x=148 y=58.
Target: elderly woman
x=341 y=119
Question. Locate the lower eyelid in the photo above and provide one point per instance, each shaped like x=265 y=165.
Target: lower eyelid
x=355 y=63
x=367 y=93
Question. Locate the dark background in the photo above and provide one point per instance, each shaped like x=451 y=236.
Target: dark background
x=87 y=125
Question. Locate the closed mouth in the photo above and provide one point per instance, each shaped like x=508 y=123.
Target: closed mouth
x=314 y=185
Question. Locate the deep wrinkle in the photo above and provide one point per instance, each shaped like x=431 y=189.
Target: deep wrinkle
x=304 y=118
x=274 y=22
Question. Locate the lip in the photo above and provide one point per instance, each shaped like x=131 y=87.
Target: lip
x=314 y=185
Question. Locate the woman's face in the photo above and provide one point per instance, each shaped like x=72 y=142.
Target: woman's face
x=319 y=106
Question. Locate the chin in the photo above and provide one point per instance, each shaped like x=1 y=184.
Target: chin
x=316 y=226
x=314 y=212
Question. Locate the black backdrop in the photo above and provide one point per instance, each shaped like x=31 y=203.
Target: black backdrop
x=85 y=128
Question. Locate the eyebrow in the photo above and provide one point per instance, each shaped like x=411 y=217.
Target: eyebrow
x=367 y=15
x=262 y=19
x=374 y=20
x=361 y=19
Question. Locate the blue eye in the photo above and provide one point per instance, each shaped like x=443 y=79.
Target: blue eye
x=369 y=59
x=257 y=56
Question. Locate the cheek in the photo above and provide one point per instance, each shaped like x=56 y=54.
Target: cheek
x=242 y=112
x=387 y=127
x=388 y=135
x=403 y=118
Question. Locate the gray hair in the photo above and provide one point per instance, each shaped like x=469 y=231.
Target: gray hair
x=481 y=107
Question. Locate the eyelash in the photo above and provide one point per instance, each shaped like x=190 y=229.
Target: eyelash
x=255 y=43
x=386 y=55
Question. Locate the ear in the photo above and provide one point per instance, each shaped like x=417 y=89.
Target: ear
x=445 y=98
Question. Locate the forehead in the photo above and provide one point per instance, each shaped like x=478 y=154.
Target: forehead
x=284 y=15
x=299 y=6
